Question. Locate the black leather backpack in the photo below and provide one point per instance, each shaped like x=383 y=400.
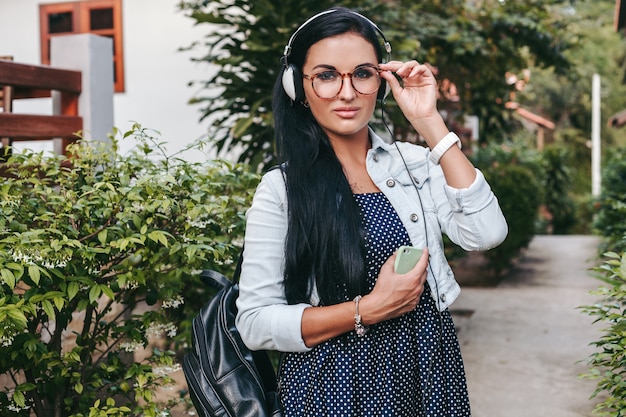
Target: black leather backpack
x=224 y=377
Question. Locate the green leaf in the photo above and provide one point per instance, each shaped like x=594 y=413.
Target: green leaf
x=48 y=309
x=107 y=291
x=158 y=236
x=72 y=290
x=33 y=273
x=58 y=302
x=18 y=399
x=8 y=277
x=78 y=388
x=17 y=316
x=26 y=387
x=82 y=304
x=191 y=251
x=94 y=293
x=102 y=236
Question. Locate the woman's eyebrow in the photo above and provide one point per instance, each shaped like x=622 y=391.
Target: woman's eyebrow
x=324 y=66
x=331 y=67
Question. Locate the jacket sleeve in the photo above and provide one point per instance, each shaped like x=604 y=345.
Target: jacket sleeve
x=265 y=320
x=471 y=217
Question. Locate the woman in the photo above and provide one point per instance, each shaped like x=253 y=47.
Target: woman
x=317 y=279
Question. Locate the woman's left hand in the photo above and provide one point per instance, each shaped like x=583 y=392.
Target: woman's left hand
x=415 y=92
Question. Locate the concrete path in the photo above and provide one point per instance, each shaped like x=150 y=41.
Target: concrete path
x=525 y=342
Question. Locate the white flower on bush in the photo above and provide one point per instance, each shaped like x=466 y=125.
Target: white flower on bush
x=159 y=329
x=173 y=302
x=130 y=346
x=6 y=341
x=8 y=335
x=16 y=408
x=36 y=258
x=167 y=369
x=198 y=223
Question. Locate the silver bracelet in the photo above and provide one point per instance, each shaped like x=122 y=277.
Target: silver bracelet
x=358 y=326
x=443 y=145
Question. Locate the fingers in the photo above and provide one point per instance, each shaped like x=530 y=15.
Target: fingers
x=405 y=70
x=390 y=281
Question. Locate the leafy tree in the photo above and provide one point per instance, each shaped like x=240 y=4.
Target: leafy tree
x=95 y=253
x=595 y=47
x=565 y=98
x=472 y=45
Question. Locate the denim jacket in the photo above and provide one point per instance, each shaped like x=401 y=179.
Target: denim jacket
x=470 y=217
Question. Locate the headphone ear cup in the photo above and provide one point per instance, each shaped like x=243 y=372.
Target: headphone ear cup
x=383 y=90
x=292 y=83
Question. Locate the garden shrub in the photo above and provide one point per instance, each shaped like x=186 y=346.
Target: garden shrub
x=518 y=193
x=557 y=183
x=609 y=221
x=98 y=252
x=608 y=364
x=512 y=176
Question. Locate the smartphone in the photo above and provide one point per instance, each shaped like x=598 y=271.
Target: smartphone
x=406 y=259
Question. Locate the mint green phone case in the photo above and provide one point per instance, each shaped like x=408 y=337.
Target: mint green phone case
x=406 y=259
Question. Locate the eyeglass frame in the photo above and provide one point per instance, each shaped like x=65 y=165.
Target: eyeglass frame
x=343 y=76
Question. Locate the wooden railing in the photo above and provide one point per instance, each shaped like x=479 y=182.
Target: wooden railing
x=21 y=81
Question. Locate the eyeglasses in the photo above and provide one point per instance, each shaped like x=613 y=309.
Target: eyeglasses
x=327 y=84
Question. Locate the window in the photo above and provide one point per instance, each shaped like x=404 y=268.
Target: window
x=100 y=17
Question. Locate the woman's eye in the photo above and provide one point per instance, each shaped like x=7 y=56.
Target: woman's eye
x=327 y=76
x=363 y=73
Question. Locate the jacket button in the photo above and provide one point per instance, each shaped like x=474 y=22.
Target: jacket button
x=442 y=297
x=375 y=157
x=391 y=183
x=414 y=218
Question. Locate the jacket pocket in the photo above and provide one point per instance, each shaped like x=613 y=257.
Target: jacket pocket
x=414 y=178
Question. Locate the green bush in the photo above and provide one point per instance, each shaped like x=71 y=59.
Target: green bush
x=557 y=183
x=609 y=221
x=608 y=364
x=99 y=252
x=518 y=193
x=585 y=211
x=511 y=173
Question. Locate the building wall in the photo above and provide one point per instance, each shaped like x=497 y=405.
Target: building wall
x=156 y=73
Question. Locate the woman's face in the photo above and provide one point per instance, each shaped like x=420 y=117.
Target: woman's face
x=349 y=112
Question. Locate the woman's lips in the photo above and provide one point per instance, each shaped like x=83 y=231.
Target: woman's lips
x=346 y=112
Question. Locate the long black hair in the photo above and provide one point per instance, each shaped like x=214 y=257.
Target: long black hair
x=325 y=243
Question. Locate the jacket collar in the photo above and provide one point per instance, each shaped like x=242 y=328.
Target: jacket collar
x=379 y=143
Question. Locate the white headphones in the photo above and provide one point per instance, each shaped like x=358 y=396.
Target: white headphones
x=292 y=78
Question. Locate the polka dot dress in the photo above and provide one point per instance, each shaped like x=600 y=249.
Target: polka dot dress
x=405 y=367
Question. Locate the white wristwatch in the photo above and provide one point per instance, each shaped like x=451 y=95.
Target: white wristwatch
x=443 y=145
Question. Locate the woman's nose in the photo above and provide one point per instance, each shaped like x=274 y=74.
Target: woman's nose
x=347 y=91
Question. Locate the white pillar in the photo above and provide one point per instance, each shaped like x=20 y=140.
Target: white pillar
x=93 y=56
x=595 y=136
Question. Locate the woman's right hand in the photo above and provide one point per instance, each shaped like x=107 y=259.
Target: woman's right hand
x=394 y=294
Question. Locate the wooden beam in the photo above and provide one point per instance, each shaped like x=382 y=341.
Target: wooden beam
x=35 y=77
x=35 y=127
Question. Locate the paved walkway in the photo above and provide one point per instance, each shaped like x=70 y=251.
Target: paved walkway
x=525 y=342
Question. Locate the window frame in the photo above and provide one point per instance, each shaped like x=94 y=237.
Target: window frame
x=80 y=11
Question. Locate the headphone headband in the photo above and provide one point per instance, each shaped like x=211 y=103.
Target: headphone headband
x=287 y=50
x=290 y=79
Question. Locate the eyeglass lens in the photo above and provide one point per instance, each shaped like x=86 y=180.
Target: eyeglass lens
x=328 y=84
